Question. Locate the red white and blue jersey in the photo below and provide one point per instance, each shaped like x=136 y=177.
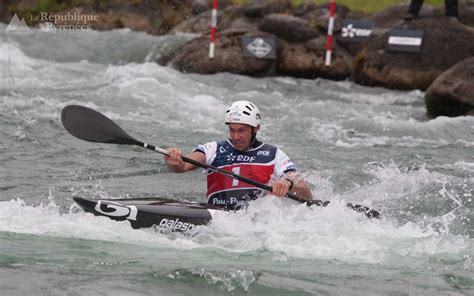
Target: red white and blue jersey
x=261 y=163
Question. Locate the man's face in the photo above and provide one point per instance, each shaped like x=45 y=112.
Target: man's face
x=241 y=135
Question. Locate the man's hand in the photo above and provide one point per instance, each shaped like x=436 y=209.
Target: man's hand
x=174 y=157
x=280 y=188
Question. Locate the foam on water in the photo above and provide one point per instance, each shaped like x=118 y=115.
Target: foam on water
x=153 y=90
x=12 y=56
x=465 y=165
x=47 y=220
x=391 y=131
x=160 y=93
x=272 y=224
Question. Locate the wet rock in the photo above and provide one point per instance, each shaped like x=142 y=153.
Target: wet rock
x=259 y=10
x=451 y=94
x=199 y=6
x=341 y=10
x=305 y=8
x=319 y=18
x=244 y=24
x=201 y=24
x=356 y=15
x=229 y=56
x=164 y=52
x=375 y=65
x=287 y=27
x=466 y=13
x=306 y=59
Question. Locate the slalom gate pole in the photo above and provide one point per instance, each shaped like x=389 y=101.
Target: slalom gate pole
x=330 y=32
x=213 y=28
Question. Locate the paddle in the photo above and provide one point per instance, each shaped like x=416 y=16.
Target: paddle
x=90 y=125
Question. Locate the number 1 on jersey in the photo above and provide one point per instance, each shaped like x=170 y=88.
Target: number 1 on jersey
x=236 y=171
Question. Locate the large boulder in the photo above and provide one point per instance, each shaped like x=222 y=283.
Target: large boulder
x=199 y=6
x=259 y=10
x=341 y=10
x=319 y=18
x=199 y=24
x=466 y=13
x=304 y=8
x=307 y=59
x=243 y=23
x=375 y=65
x=229 y=56
x=288 y=27
x=164 y=52
x=452 y=93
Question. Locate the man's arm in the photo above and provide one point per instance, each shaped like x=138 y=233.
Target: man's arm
x=176 y=164
x=300 y=188
x=287 y=176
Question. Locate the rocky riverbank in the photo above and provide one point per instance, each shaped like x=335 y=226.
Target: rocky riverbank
x=443 y=67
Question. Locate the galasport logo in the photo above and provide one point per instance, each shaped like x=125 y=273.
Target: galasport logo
x=175 y=224
x=115 y=209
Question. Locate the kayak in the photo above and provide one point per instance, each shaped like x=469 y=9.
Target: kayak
x=160 y=213
x=163 y=214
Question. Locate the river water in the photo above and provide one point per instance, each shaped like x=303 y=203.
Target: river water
x=370 y=146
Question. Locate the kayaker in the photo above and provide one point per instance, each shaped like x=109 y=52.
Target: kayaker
x=242 y=154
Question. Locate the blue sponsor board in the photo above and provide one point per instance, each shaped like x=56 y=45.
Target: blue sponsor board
x=405 y=40
x=356 y=30
x=259 y=47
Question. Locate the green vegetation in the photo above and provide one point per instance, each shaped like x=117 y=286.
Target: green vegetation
x=369 y=6
x=372 y=6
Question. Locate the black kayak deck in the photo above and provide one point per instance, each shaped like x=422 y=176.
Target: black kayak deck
x=164 y=213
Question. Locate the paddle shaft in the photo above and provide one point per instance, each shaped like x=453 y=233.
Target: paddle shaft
x=370 y=213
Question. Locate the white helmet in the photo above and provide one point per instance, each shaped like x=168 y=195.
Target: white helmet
x=243 y=112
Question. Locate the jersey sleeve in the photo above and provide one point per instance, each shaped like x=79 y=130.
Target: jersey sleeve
x=209 y=149
x=283 y=165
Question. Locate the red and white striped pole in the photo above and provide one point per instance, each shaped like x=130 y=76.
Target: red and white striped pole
x=332 y=8
x=213 y=29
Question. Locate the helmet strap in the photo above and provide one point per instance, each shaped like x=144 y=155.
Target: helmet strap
x=253 y=138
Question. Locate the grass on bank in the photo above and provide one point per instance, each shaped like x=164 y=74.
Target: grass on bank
x=369 y=6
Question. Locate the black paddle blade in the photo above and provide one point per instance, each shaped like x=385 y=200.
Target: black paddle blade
x=370 y=213
x=90 y=125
